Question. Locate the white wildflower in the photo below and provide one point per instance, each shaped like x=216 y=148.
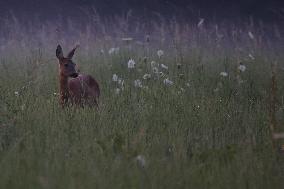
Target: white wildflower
x=187 y=84
x=16 y=93
x=201 y=22
x=138 y=83
x=168 y=82
x=224 y=74
x=120 y=81
x=117 y=91
x=146 y=76
x=164 y=66
x=242 y=68
x=160 y=53
x=131 y=64
x=102 y=51
x=154 y=64
x=141 y=161
x=250 y=34
x=251 y=56
x=114 y=78
x=113 y=50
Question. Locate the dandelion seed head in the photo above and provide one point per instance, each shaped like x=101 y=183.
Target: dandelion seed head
x=164 y=66
x=131 y=64
x=146 y=76
x=251 y=57
x=242 y=67
x=140 y=159
x=120 y=81
x=138 y=83
x=114 y=78
x=117 y=91
x=224 y=74
x=160 y=53
x=168 y=82
x=113 y=50
x=155 y=70
x=154 y=64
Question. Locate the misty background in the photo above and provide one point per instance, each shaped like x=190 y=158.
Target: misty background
x=266 y=10
x=43 y=24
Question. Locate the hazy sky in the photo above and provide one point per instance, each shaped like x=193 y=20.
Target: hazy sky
x=264 y=9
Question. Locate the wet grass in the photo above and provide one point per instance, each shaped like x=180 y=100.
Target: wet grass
x=204 y=131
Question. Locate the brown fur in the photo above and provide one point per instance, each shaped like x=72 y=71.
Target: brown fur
x=74 y=88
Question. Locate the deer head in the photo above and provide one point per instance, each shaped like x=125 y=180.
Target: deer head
x=66 y=65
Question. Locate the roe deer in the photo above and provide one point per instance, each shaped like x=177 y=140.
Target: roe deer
x=78 y=89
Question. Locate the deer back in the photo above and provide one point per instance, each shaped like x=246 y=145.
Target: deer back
x=83 y=88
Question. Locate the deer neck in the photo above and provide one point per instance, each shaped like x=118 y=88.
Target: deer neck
x=64 y=91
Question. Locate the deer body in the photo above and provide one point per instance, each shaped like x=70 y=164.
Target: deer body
x=76 y=89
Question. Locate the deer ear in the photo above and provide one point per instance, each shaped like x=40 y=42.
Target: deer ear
x=59 y=52
x=71 y=53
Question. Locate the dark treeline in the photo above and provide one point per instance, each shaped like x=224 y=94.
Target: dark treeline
x=215 y=9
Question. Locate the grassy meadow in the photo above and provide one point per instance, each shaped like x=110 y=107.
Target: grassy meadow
x=199 y=118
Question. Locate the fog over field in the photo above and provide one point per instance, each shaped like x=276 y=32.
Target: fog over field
x=219 y=9
x=191 y=94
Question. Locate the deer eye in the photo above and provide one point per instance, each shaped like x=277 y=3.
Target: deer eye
x=66 y=65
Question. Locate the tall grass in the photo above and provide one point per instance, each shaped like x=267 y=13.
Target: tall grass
x=204 y=131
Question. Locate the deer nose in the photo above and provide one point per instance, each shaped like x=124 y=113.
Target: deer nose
x=74 y=75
